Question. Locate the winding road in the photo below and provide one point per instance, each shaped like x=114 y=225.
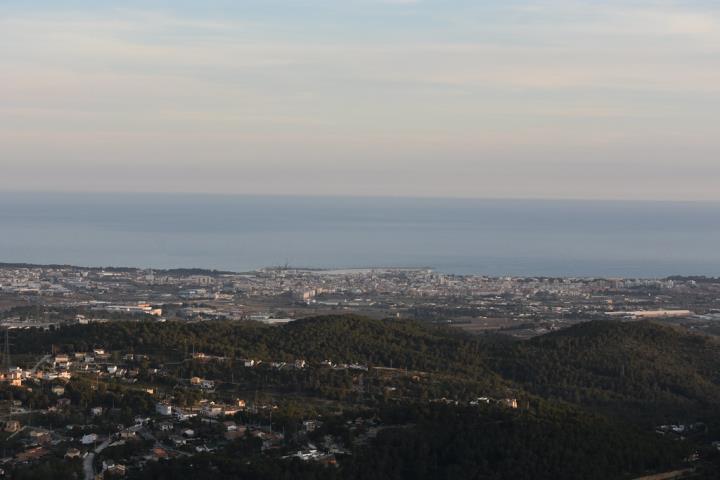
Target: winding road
x=90 y=457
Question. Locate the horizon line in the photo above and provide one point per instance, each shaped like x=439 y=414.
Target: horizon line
x=356 y=196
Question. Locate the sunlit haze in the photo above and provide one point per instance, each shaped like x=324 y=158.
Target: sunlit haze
x=549 y=99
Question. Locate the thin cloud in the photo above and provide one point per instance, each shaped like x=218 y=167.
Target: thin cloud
x=501 y=90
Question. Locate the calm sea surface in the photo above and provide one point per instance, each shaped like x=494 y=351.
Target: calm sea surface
x=493 y=237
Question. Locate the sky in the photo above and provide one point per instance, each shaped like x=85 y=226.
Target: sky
x=440 y=98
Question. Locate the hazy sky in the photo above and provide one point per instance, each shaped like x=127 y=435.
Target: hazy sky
x=476 y=98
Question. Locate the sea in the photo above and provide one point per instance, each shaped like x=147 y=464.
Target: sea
x=461 y=236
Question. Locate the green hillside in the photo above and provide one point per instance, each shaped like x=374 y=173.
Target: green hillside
x=590 y=396
x=639 y=368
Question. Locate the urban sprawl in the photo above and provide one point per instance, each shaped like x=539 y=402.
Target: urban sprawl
x=170 y=404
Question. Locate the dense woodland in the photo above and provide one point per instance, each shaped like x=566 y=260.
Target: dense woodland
x=595 y=363
x=446 y=443
x=590 y=395
x=639 y=369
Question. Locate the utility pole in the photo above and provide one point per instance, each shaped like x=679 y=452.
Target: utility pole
x=9 y=412
x=7 y=373
x=7 y=349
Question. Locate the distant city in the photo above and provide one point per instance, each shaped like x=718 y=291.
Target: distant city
x=517 y=306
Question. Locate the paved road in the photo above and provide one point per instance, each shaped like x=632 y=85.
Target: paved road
x=40 y=362
x=88 y=468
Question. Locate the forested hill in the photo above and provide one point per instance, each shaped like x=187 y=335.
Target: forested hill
x=575 y=389
x=633 y=367
x=346 y=338
x=642 y=367
x=401 y=343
